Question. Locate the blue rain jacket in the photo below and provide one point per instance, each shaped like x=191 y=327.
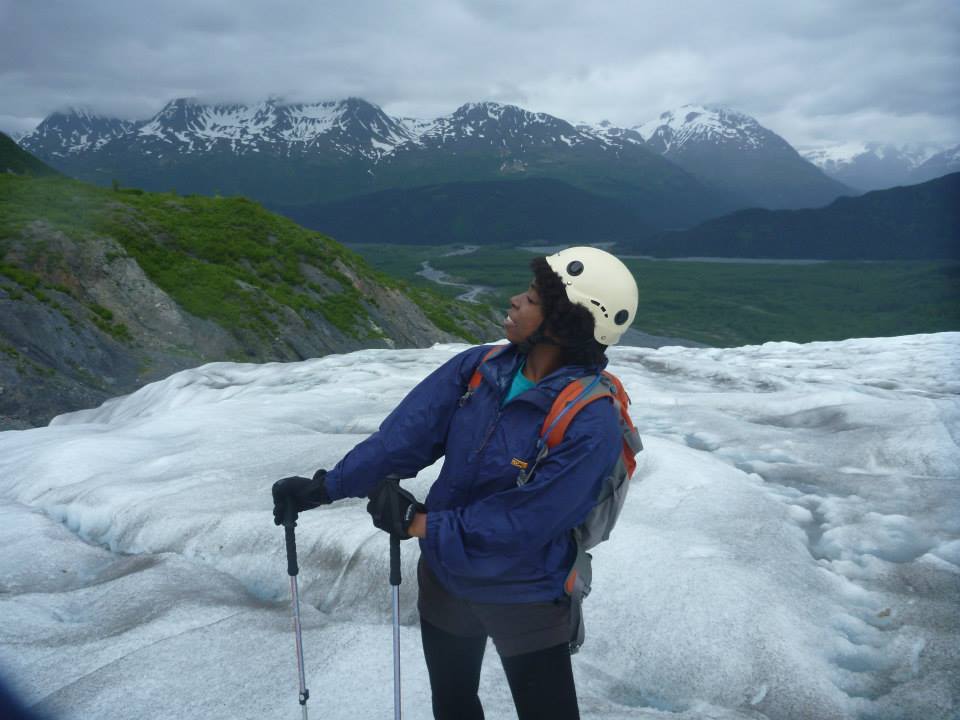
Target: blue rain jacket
x=488 y=539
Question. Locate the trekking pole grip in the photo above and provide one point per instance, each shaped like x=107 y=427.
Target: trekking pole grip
x=289 y=523
x=394 y=560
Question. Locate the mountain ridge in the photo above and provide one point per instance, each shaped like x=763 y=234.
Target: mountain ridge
x=915 y=222
x=303 y=153
x=505 y=212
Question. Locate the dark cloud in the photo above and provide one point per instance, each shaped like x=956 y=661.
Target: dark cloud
x=813 y=71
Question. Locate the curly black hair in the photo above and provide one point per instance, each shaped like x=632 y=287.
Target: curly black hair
x=570 y=324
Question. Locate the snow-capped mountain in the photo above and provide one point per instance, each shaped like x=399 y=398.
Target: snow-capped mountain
x=493 y=125
x=74 y=131
x=517 y=138
x=351 y=127
x=874 y=165
x=691 y=125
x=732 y=150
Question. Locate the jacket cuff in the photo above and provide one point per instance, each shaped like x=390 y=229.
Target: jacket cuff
x=333 y=486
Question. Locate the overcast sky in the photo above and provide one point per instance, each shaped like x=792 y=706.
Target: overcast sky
x=815 y=71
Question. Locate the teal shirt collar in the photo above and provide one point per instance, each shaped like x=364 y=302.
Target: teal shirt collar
x=520 y=383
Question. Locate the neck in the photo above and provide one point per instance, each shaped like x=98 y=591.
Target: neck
x=541 y=361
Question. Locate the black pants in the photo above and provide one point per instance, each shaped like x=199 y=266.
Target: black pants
x=541 y=682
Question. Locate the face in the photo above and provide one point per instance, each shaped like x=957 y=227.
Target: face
x=524 y=316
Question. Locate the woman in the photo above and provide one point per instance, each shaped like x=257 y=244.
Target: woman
x=495 y=552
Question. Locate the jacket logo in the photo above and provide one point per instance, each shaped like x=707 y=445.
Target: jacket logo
x=516 y=462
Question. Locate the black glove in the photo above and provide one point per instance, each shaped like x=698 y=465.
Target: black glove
x=392 y=508
x=300 y=492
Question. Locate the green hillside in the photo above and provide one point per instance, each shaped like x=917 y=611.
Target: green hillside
x=105 y=290
x=225 y=259
x=14 y=159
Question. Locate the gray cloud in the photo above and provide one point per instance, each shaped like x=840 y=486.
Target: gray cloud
x=814 y=71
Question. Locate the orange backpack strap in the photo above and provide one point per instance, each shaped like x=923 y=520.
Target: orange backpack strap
x=619 y=391
x=580 y=393
x=571 y=400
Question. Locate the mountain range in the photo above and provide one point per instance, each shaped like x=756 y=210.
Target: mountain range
x=877 y=166
x=690 y=164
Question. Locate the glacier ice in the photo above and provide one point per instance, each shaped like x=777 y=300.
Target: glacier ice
x=789 y=547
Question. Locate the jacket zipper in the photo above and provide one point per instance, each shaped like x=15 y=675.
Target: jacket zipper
x=486 y=439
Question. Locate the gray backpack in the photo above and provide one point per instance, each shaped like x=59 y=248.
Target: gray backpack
x=600 y=521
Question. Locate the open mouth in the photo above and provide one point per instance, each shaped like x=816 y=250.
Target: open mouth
x=508 y=321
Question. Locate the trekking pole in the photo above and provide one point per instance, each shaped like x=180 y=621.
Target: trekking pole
x=395 y=586
x=289 y=523
x=395 y=589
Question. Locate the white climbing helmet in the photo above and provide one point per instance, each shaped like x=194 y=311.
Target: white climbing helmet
x=603 y=285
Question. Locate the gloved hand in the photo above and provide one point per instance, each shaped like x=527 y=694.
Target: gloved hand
x=392 y=508
x=302 y=493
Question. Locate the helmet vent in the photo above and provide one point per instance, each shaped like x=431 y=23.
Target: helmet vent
x=621 y=317
x=602 y=308
x=574 y=268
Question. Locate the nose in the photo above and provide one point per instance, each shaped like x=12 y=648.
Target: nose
x=514 y=303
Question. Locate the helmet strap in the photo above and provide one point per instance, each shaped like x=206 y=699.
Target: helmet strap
x=537 y=337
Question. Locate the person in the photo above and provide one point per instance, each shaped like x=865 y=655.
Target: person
x=494 y=552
